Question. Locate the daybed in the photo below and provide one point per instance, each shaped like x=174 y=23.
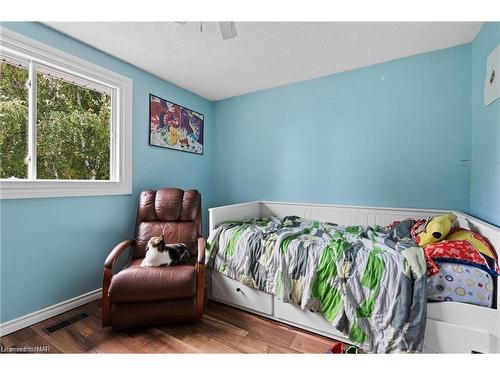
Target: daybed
x=451 y=327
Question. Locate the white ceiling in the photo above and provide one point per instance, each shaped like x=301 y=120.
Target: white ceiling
x=264 y=54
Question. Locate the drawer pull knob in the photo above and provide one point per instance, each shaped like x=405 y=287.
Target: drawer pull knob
x=238 y=289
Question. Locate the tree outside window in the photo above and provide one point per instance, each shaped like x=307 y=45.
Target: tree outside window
x=73 y=125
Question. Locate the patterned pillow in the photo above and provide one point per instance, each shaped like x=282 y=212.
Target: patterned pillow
x=460 y=283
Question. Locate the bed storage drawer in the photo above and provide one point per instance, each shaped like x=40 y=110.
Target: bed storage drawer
x=441 y=337
x=293 y=314
x=233 y=292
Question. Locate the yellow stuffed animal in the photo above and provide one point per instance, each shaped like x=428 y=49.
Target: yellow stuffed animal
x=435 y=230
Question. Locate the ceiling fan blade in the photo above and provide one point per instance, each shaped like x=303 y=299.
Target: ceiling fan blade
x=181 y=22
x=228 y=30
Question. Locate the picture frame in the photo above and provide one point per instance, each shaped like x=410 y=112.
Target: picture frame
x=174 y=126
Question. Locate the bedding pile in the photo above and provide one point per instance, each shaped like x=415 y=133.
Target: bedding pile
x=461 y=268
x=369 y=282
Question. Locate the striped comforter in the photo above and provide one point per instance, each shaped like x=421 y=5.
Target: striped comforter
x=369 y=282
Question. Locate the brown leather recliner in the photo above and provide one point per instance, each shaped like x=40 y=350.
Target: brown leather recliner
x=142 y=296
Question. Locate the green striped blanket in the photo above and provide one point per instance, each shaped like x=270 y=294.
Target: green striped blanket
x=369 y=282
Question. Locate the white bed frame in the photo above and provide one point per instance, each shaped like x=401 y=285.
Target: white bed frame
x=452 y=327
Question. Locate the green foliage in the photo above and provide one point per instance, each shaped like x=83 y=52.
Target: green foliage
x=13 y=121
x=73 y=128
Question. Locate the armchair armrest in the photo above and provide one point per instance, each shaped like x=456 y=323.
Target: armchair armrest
x=116 y=252
x=106 y=279
x=201 y=250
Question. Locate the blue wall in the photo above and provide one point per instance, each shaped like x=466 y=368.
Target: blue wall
x=53 y=249
x=485 y=171
x=393 y=134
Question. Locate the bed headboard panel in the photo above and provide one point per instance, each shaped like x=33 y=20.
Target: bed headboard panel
x=345 y=215
x=240 y=211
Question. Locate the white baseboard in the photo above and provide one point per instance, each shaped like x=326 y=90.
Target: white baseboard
x=48 y=312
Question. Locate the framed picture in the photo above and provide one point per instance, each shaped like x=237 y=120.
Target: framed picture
x=173 y=126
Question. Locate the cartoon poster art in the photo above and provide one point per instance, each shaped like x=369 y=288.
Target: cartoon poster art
x=173 y=126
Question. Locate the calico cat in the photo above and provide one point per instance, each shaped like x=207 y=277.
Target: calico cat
x=160 y=254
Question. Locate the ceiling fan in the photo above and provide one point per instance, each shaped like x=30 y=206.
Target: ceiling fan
x=227 y=29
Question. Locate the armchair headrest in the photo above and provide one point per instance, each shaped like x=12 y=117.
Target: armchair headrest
x=169 y=204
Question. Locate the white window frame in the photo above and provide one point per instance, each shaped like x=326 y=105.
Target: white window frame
x=120 y=181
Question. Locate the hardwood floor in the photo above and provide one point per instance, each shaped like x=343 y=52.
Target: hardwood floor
x=223 y=329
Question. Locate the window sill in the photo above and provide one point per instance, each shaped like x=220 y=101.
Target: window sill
x=18 y=189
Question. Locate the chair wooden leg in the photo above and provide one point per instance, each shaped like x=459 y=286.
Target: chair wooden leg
x=200 y=289
x=106 y=305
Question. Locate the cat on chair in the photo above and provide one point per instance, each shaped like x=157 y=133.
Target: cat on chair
x=160 y=254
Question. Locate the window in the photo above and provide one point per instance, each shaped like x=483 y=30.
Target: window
x=64 y=123
x=73 y=121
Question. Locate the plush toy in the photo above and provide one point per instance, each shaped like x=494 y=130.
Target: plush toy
x=433 y=230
